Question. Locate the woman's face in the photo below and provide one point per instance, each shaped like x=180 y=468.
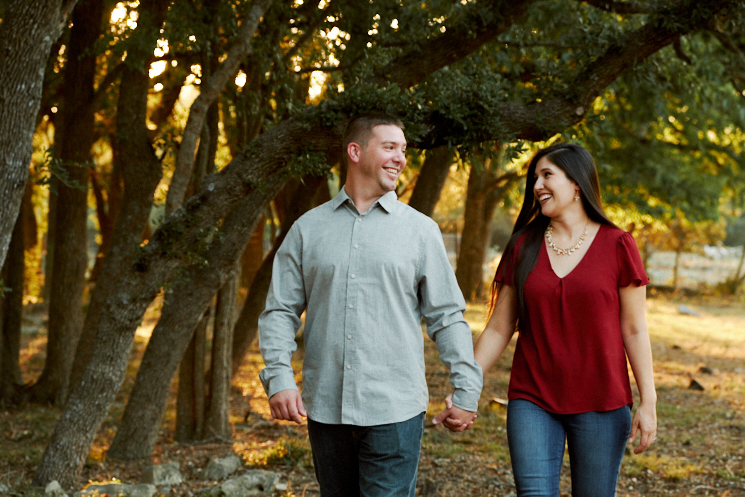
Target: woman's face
x=553 y=190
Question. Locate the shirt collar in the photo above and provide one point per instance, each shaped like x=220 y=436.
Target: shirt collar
x=387 y=201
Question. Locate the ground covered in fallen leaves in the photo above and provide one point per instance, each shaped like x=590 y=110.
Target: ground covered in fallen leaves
x=700 y=448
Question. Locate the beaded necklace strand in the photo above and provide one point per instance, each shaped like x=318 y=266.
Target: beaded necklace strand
x=561 y=251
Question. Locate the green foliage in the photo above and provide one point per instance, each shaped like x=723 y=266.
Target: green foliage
x=54 y=168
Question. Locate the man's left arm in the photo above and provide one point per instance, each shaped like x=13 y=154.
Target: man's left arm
x=442 y=306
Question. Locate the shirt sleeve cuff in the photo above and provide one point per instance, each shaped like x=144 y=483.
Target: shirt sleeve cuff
x=277 y=383
x=466 y=400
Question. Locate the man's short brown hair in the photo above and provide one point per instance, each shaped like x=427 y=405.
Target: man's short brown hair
x=359 y=128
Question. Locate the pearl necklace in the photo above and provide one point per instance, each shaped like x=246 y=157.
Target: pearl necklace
x=561 y=251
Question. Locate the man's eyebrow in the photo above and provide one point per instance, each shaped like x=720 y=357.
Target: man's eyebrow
x=393 y=142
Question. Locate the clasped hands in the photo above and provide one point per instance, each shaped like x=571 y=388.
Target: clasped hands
x=454 y=418
x=288 y=405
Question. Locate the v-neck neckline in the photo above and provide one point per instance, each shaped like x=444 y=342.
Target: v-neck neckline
x=589 y=248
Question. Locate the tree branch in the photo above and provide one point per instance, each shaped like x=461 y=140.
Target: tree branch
x=209 y=92
x=462 y=36
x=619 y=7
x=540 y=120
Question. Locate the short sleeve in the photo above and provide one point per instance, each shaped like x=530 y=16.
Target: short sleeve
x=630 y=266
x=506 y=270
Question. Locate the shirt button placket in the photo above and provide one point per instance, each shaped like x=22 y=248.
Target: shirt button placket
x=350 y=320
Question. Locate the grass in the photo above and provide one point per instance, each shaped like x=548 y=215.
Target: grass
x=700 y=448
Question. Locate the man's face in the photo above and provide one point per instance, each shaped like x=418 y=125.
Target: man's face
x=382 y=159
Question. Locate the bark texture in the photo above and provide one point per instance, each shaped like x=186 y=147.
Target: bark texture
x=74 y=140
x=485 y=191
x=217 y=422
x=431 y=179
x=11 y=313
x=26 y=35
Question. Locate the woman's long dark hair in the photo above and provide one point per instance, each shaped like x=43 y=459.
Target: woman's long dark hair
x=531 y=225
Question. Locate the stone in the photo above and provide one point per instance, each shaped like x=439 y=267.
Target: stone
x=253 y=482
x=685 y=310
x=54 y=489
x=141 y=490
x=164 y=474
x=695 y=385
x=219 y=469
x=705 y=370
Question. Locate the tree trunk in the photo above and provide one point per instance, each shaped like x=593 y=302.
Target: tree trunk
x=137 y=167
x=191 y=390
x=27 y=32
x=217 y=424
x=191 y=295
x=485 y=191
x=70 y=236
x=11 y=313
x=253 y=255
x=431 y=179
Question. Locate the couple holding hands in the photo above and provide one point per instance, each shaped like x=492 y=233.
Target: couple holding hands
x=367 y=268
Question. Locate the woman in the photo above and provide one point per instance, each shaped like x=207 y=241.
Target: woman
x=572 y=284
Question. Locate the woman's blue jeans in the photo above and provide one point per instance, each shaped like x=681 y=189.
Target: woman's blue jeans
x=368 y=461
x=596 y=442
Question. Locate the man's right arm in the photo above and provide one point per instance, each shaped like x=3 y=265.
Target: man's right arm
x=278 y=326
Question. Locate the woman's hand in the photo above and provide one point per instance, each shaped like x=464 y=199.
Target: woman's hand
x=644 y=423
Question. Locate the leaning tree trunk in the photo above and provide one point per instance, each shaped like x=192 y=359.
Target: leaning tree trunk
x=135 y=438
x=27 y=32
x=191 y=296
x=70 y=236
x=11 y=312
x=431 y=179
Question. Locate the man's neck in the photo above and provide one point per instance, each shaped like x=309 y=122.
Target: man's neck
x=362 y=199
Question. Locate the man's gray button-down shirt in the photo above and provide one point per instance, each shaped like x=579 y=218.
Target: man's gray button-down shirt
x=366 y=281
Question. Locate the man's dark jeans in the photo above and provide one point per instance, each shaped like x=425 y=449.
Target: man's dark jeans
x=370 y=461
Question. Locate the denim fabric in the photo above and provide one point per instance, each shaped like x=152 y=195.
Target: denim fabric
x=370 y=461
x=596 y=442
x=365 y=282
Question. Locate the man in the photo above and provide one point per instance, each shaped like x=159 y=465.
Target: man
x=366 y=268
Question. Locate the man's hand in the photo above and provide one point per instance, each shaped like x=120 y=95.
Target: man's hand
x=287 y=405
x=454 y=418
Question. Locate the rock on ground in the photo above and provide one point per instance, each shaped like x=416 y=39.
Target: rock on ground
x=54 y=489
x=253 y=482
x=164 y=474
x=217 y=469
x=141 y=490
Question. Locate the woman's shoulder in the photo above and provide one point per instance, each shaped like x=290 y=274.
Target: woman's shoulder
x=614 y=234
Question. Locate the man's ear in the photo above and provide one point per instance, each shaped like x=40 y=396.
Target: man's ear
x=354 y=151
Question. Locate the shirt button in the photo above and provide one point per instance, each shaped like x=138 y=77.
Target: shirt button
x=351 y=306
x=349 y=337
x=349 y=366
x=356 y=246
x=354 y=276
x=359 y=219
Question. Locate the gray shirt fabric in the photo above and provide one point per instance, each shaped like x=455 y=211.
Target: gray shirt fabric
x=366 y=282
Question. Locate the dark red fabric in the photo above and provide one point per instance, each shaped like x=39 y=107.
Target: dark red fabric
x=570 y=356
